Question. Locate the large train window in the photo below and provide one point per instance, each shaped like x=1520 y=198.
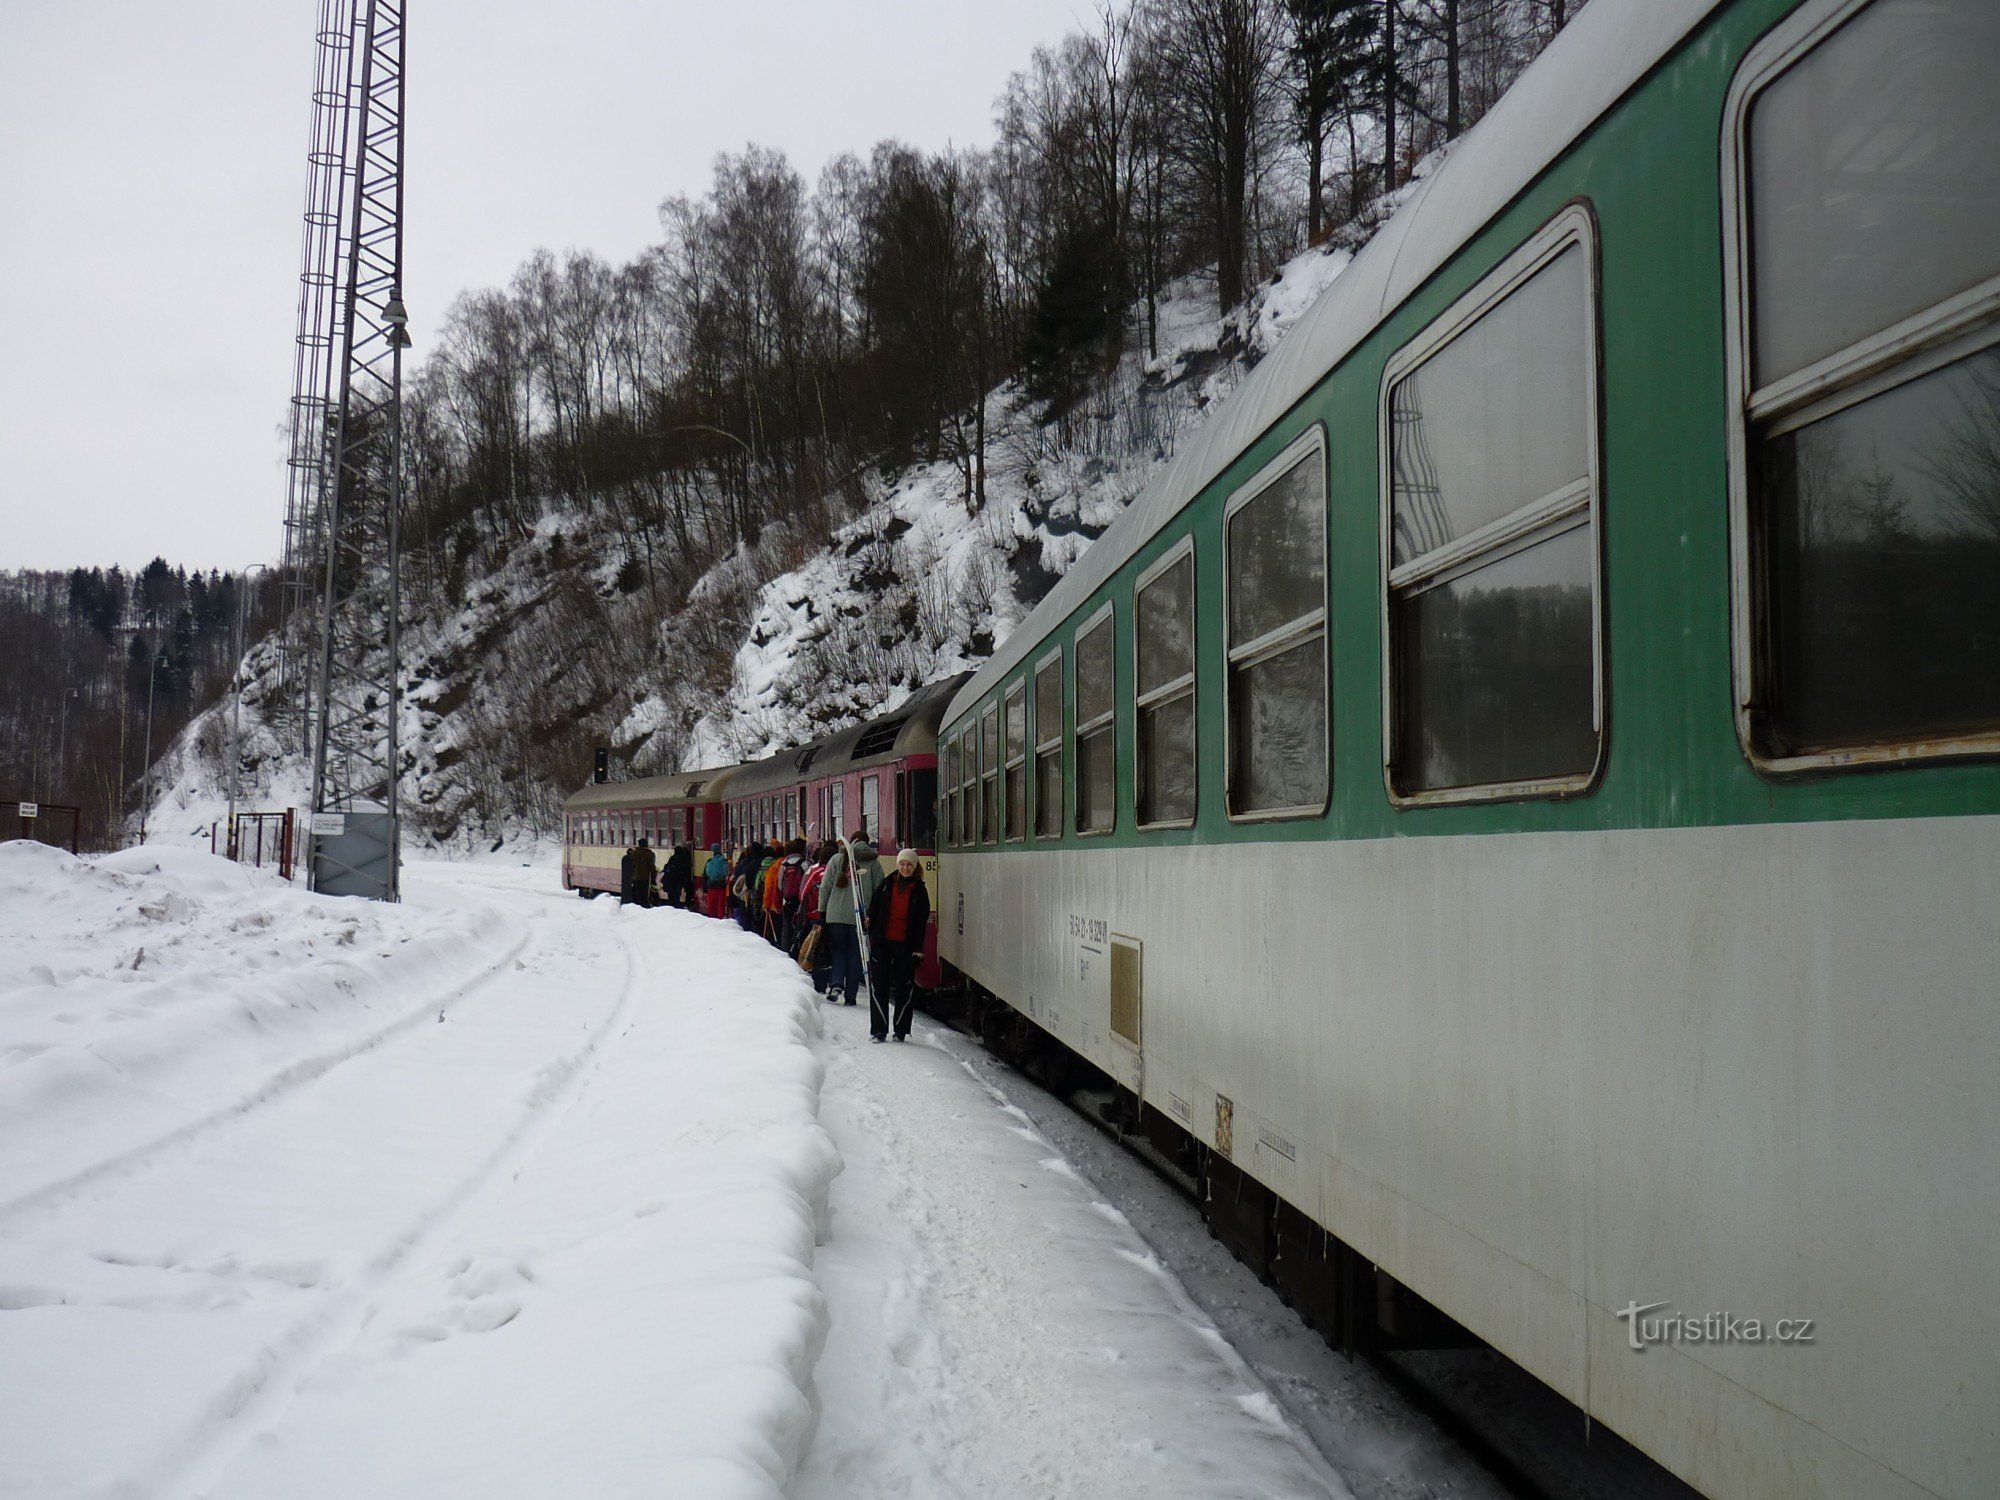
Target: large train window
x=1096 y=752
x=871 y=807
x=1864 y=203
x=1048 y=746
x=1163 y=677
x=1489 y=442
x=989 y=774
x=1014 y=755
x=1274 y=581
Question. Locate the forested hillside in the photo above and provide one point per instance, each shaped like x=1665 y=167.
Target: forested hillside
x=828 y=439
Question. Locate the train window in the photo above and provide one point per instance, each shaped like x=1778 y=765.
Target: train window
x=1865 y=349
x=871 y=806
x=968 y=786
x=1096 y=727
x=1275 y=703
x=1048 y=746
x=954 y=802
x=1015 y=755
x=921 y=831
x=1163 y=676
x=836 y=796
x=1490 y=450
x=989 y=774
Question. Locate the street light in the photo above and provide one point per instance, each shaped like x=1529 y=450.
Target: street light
x=236 y=699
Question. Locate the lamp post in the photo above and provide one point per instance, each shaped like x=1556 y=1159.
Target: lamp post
x=236 y=699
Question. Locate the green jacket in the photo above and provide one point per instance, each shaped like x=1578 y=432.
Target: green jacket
x=837 y=900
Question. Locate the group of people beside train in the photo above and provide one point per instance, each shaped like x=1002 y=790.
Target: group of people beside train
x=825 y=905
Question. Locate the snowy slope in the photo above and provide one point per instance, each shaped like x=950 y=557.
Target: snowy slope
x=550 y=647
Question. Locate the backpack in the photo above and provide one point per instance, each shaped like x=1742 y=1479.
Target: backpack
x=791 y=881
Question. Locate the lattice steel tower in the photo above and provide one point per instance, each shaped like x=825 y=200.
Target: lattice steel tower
x=342 y=525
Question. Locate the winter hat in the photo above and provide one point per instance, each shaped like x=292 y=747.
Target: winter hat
x=906 y=859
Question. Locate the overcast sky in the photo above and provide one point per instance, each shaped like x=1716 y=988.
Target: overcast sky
x=152 y=173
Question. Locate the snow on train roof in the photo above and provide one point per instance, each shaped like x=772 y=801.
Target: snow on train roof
x=1589 y=66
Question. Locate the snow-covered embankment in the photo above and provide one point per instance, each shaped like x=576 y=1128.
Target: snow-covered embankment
x=495 y=1193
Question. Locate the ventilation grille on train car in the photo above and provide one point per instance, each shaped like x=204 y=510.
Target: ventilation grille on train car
x=878 y=739
x=693 y=790
x=803 y=761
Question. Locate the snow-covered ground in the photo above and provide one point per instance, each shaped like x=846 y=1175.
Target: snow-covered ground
x=496 y=1193
x=500 y=1193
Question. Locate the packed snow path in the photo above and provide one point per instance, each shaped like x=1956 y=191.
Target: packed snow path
x=997 y=1330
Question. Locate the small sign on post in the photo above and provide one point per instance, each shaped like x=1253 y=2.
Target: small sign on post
x=329 y=825
x=31 y=809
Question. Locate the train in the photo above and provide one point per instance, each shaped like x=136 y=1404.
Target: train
x=878 y=777
x=1512 y=810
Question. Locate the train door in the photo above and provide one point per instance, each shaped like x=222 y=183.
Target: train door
x=1128 y=1012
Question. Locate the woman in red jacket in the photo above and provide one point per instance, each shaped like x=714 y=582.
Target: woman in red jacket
x=897 y=918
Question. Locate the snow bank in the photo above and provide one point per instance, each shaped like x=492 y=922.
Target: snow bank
x=147 y=989
x=554 y=1235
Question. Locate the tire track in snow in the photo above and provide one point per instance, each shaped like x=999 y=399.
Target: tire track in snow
x=280 y=1085
x=258 y=1400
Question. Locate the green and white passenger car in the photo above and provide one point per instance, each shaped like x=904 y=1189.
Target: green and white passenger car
x=1519 y=791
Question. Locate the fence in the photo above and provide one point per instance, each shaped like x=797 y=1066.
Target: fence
x=34 y=819
x=259 y=839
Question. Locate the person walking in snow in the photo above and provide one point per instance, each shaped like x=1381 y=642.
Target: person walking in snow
x=791 y=886
x=897 y=917
x=844 y=893
x=745 y=889
x=809 y=912
x=677 y=878
x=715 y=882
x=644 y=873
x=772 y=904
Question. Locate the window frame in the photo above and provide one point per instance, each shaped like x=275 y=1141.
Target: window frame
x=1013 y=757
x=1574 y=224
x=1926 y=341
x=871 y=793
x=992 y=816
x=1310 y=445
x=1181 y=686
x=1104 y=617
x=1052 y=745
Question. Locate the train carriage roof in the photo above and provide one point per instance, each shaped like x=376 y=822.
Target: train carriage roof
x=1591 y=64
x=908 y=729
x=648 y=791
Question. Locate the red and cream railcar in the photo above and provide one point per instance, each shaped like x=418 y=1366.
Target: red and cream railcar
x=879 y=777
x=604 y=820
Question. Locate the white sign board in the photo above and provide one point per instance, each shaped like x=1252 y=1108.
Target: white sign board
x=31 y=809
x=329 y=825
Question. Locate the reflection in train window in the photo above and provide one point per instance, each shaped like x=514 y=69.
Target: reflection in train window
x=1274 y=559
x=1163 y=731
x=1872 y=391
x=1096 y=728
x=1048 y=747
x=1493 y=673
